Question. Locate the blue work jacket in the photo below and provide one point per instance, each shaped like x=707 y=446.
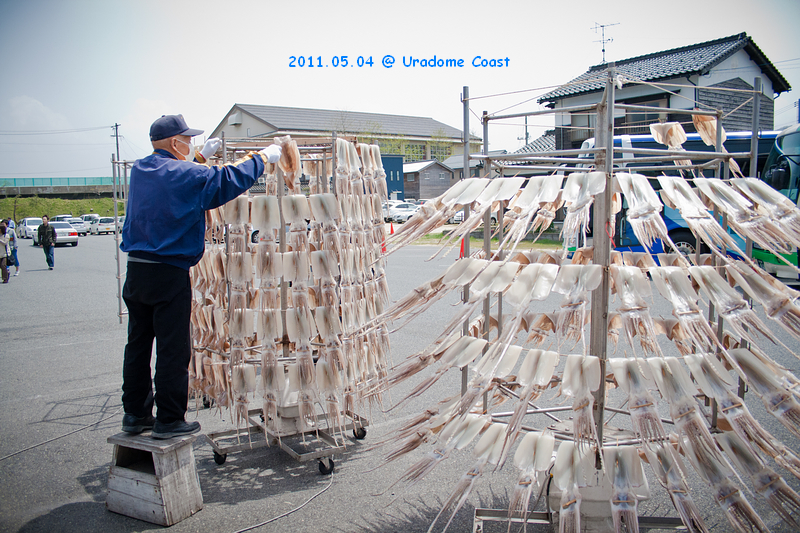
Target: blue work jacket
x=167 y=200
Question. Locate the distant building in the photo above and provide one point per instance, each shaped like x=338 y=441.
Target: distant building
x=415 y=138
x=729 y=63
x=424 y=180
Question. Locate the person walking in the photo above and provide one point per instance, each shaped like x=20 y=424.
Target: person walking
x=12 y=246
x=163 y=235
x=4 y=251
x=46 y=236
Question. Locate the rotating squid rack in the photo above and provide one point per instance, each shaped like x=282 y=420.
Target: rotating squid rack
x=231 y=441
x=604 y=160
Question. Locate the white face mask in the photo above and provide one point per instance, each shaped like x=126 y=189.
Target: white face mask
x=190 y=156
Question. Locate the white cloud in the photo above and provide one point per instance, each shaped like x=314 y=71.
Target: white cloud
x=29 y=114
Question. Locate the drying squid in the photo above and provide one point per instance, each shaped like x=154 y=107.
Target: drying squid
x=380 y=173
x=770 y=202
x=678 y=195
x=673 y=283
x=777 y=399
x=766 y=481
x=777 y=305
x=641 y=404
x=582 y=377
x=541 y=190
x=487 y=450
x=729 y=304
x=568 y=475
x=706 y=126
x=711 y=378
x=579 y=192
x=670 y=472
x=575 y=282
x=701 y=449
x=289 y=163
x=533 y=456
x=453 y=434
x=632 y=286
x=673 y=136
x=625 y=472
x=534 y=376
x=743 y=218
x=498 y=190
x=644 y=209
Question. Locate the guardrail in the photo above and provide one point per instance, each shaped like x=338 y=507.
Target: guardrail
x=55 y=182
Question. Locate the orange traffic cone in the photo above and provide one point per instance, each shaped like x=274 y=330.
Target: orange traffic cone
x=391 y=228
x=461 y=253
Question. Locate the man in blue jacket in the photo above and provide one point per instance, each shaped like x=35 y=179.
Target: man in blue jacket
x=163 y=235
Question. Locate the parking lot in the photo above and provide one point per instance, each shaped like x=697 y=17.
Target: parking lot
x=62 y=357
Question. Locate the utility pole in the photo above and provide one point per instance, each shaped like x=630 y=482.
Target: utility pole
x=116 y=135
x=603 y=39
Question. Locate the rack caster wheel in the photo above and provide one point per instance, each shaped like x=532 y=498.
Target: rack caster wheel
x=220 y=458
x=326 y=469
x=359 y=433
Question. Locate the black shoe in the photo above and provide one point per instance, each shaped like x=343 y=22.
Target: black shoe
x=135 y=425
x=174 y=429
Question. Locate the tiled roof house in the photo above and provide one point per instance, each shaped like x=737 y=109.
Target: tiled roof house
x=729 y=63
x=416 y=138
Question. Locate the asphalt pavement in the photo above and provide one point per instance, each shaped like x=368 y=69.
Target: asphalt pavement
x=62 y=345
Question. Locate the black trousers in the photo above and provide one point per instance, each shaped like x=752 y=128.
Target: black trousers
x=159 y=301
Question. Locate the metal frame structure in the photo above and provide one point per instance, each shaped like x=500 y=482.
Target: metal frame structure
x=604 y=160
x=222 y=441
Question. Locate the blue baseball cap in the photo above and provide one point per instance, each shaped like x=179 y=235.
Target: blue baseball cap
x=169 y=126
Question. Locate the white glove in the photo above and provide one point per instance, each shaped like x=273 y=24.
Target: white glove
x=210 y=148
x=272 y=153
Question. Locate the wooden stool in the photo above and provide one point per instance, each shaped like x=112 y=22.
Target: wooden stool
x=153 y=480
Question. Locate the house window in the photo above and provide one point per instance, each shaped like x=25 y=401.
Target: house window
x=583 y=124
x=390 y=147
x=427 y=176
x=440 y=152
x=414 y=152
x=248 y=132
x=441 y=175
x=411 y=177
x=639 y=121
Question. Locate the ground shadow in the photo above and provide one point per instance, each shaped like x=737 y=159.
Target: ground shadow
x=83 y=516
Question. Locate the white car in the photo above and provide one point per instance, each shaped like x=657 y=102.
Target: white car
x=65 y=234
x=27 y=227
x=402 y=212
x=79 y=226
x=102 y=225
x=386 y=206
x=87 y=218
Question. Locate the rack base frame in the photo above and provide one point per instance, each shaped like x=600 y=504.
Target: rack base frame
x=285 y=438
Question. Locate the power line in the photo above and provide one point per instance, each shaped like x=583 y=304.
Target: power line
x=53 y=132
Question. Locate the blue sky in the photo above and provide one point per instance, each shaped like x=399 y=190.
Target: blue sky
x=84 y=64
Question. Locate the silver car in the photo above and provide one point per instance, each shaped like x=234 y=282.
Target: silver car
x=78 y=224
x=65 y=234
x=27 y=227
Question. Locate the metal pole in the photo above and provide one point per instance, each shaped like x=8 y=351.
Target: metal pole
x=754 y=134
x=598 y=340
x=487 y=244
x=464 y=175
x=114 y=171
x=224 y=150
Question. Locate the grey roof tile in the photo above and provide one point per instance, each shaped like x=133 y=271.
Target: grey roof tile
x=325 y=120
x=545 y=143
x=687 y=60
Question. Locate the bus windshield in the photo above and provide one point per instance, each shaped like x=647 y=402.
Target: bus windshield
x=782 y=169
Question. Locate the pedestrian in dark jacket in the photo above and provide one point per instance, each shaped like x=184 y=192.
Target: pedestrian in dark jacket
x=163 y=235
x=46 y=234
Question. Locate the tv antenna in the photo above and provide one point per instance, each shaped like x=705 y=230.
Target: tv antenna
x=603 y=39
